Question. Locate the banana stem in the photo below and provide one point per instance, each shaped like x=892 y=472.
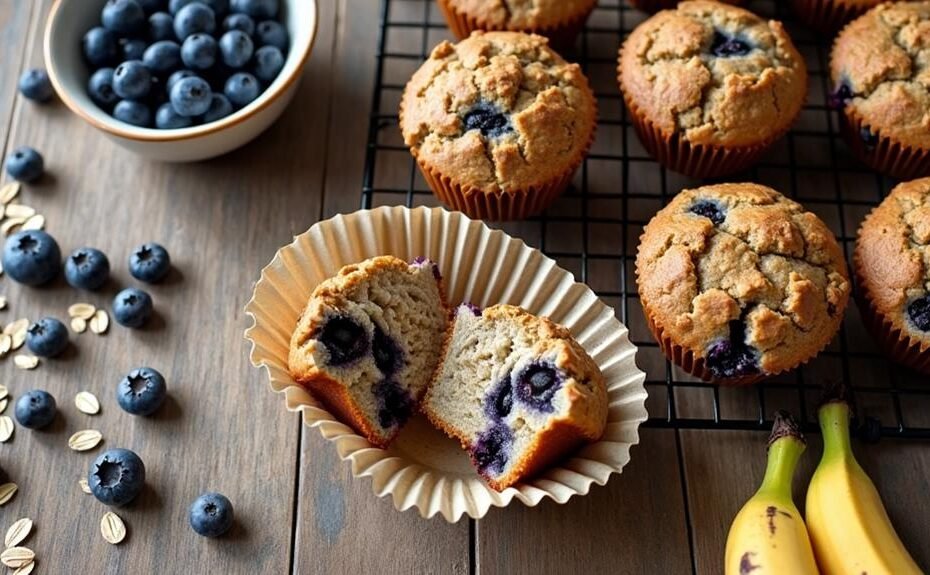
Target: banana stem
x=834 y=425
x=785 y=448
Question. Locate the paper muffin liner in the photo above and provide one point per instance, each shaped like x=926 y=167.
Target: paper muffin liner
x=894 y=341
x=652 y=6
x=562 y=35
x=423 y=468
x=888 y=155
x=827 y=16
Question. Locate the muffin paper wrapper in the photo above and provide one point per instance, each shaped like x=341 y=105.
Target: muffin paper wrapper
x=826 y=16
x=562 y=36
x=423 y=468
x=887 y=155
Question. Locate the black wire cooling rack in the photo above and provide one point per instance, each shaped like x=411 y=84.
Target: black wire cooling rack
x=593 y=229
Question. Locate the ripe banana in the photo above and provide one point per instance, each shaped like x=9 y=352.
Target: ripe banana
x=849 y=527
x=768 y=536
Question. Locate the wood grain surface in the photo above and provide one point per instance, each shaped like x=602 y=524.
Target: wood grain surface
x=298 y=509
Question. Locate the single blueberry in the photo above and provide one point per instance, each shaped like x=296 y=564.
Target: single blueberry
x=488 y=119
x=116 y=477
x=256 y=8
x=132 y=49
x=142 y=391
x=725 y=46
x=167 y=119
x=132 y=307
x=394 y=404
x=35 y=85
x=272 y=33
x=47 y=337
x=100 y=47
x=87 y=268
x=175 y=77
x=100 y=88
x=194 y=18
x=219 y=108
x=536 y=385
x=919 y=312
x=149 y=263
x=25 y=164
x=162 y=57
x=31 y=257
x=841 y=96
x=191 y=96
x=388 y=355
x=236 y=48
x=500 y=399
x=868 y=137
x=491 y=451
x=710 y=210
x=161 y=27
x=732 y=357
x=133 y=112
x=241 y=22
x=199 y=51
x=123 y=16
x=345 y=340
x=241 y=88
x=132 y=80
x=35 y=409
x=269 y=61
x=211 y=515
x=153 y=6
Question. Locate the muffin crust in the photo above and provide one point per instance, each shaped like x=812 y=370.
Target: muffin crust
x=520 y=15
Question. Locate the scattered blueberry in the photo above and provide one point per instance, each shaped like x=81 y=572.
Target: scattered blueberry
x=25 y=164
x=732 y=357
x=490 y=451
x=211 y=515
x=241 y=88
x=167 y=119
x=194 y=18
x=35 y=85
x=191 y=96
x=142 y=391
x=919 y=312
x=47 y=337
x=388 y=355
x=236 y=48
x=31 y=257
x=345 y=340
x=162 y=56
x=100 y=88
x=132 y=80
x=841 y=96
x=220 y=107
x=239 y=22
x=868 y=137
x=36 y=409
x=161 y=27
x=487 y=118
x=132 y=307
x=500 y=399
x=132 y=49
x=199 y=51
x=175 y=77
x=149 y=263
x=272 y=33
x=123 y=16
x=100 y=47
x=710 y=210
x=269 y=61
x=725 y=46
x=87 y=268
x=132 y=112
x=536 y=386
x=395 y=405
x=256 y=8
x=116 y=477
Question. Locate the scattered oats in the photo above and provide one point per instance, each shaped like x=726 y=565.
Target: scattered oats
x=6 y=428
x=3 y=404
x=24 y=361
x=112 y=528
x=100 y=322
x=85 y=486
x=7 y=490
x=4 y=392
x=9 y=192
x=25 y=569
x=6 y=344
x=20 y=211
x=84 y=311
x=8 y=225
x=85 y=440
x=2 y=302
x=36 y=222
x=18 y=532
x=18 y=339
x=21 y=324
x=87 y=403
x=16 y=557
x=78 y=324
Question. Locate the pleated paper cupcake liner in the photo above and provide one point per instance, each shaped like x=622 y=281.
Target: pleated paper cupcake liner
x=888 y=156
x=423 y=468
x=562 y=35
x=827 y=16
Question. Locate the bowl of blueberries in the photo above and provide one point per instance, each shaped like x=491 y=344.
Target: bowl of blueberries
x=179 y=80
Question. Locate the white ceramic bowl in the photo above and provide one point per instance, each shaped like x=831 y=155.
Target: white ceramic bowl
x=69 y=20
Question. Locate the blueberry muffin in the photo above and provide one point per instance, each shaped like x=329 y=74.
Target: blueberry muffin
x=881 y=71
x=892 y=267
x=710 y=87
x=656 y=5
x=517 y=391
x=498 y=123
x=739 y=283
x=828 y=16
x=369 y=341
x=558 y=20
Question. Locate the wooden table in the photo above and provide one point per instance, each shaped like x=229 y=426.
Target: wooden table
x=297 y=507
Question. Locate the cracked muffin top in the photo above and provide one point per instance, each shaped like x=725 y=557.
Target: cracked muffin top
x=893 y=258
x=714 y=73
x=743 y=277
x=498 y=111
x=523 y=14
x=880 y=68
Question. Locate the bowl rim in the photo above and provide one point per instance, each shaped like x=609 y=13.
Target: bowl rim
x=122 y=130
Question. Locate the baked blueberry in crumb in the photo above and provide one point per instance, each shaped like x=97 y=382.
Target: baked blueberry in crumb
x=394 y=404
x=710 y=210
x=536 y=386
x=869 y=138
x=116 y=477
x=919 y=312
x=388 y=355
x=421 y=261
x=732 y=357
x=728 y=46
x=345 y=340
x=211 y=515
x=491 y=450
x=500 y=399
x=841 y=96
x=488 y=119
x=470 y=307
